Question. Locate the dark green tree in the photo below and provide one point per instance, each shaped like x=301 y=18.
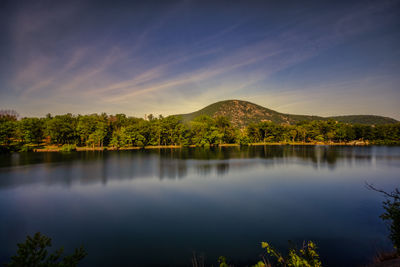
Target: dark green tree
x=33 y=253
x=8 y=127
x=391 y=215
x=86 y=125
x=205 y=132
x=31 y=130
x=62 y=129
x=229 y=133
x=253 y=133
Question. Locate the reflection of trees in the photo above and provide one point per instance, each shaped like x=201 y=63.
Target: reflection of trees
x=316 y=154
x=204 y=169
x=222 y=168
x=172 y=169
x=94 y=166
x=178 y=168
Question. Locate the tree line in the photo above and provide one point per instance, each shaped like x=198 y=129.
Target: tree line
x=119 y=131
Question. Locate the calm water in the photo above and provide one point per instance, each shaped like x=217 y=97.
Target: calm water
x=156 y=207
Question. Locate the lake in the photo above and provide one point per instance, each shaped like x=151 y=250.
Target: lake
x=157 y=207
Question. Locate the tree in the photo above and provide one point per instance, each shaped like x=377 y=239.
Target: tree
x=62 y=129
x=205 y=132
x=118 y=121
x=101 y=132
x=9 y=113
x=226 y=129
x=302 y=132
x=33 y=253
x=116 y=140
x=119 y=131
x=340 y=133
x=86 y=125
x=31 y=130
x=392 y=214
x=253 y=133
x=350 y=134
x=169 y=130
x=293 y=134
x=7 y=129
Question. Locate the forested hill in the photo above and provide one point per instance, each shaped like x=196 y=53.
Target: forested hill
x=364 y=119
x=241 y=113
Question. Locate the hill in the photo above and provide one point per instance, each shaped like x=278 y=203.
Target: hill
x=241 y=113
x=364 y=119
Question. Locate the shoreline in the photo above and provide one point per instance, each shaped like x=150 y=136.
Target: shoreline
x=351 y=143
x=59 y=148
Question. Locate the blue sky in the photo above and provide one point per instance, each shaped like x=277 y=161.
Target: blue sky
x=167 y=57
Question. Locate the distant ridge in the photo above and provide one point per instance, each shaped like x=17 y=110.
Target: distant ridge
x=241 y=113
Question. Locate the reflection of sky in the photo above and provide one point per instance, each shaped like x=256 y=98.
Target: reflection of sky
x=138 y=57
x=123 y=206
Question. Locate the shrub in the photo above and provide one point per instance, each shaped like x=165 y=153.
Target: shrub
x=68 y=148
x=26 y=148
x=307 y=256
x=34 y=253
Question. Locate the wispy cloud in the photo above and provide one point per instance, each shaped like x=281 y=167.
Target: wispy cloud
x=130 y=68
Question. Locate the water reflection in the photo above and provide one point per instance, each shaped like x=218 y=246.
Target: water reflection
x=125 y=205
x=94 y=167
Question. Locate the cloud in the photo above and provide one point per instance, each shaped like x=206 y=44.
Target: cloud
x=127 y=66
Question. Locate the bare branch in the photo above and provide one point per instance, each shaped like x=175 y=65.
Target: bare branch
x=395 y=194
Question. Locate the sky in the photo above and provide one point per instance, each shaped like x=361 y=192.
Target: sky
x=169 y=57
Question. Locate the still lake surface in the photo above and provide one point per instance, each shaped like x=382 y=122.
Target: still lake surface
x=157 y=207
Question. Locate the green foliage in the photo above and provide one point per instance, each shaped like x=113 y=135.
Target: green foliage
x=323 y=131
x=259 y=264
x=204 y=131
x=31 y=130
x=26 y=148
x=120 y=131
x=68 y=148
x=61 y=129
x=392 y=215
x=242 y=138
x=86 y=125
x=307 y=256
x=34 y=253
x=8 y=126
x=222 y=262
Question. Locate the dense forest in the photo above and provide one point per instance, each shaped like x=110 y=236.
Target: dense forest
x=120 y=131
